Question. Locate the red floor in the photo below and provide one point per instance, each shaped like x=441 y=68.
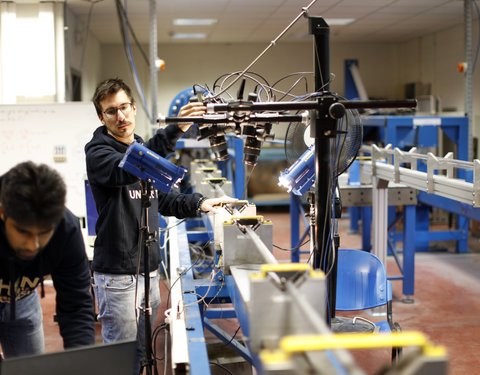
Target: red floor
x=446 y=304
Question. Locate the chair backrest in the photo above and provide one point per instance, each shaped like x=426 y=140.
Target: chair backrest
x=361 y=281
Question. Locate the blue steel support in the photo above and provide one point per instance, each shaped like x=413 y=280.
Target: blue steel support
x=238 y=305
x=228 y=340
x=354 y=214
x=220 y=313
x=366 y=228
x=208 y=227
x=294 y=226
x=463 y=211
x=296 y=211
x=354 y=180
x=409 y=251
x=242 y=316
x=196 y=319
x=462 y=241
x=351 y=91
x=199 y=363
x=392 y=216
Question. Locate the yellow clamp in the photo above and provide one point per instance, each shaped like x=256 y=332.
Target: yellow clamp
x=290 y=345
x=208 y=169
x=238 y=203
x=201 y=161
x=303 y=343
x=244 y=219
x=287 y=267
x=215 y=179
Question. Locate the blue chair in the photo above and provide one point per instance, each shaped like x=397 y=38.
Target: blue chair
x=362 y=284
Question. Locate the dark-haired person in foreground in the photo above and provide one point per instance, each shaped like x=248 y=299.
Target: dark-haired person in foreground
x=39 y=237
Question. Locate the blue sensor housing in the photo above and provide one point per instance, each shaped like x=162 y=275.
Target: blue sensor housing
x=300 y=176
x=147 y=165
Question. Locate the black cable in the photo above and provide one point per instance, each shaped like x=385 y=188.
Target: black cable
x=229 y=342
x=156 y=332
x=168 y=298
x=207 y=304
x=125 y=19
x=478 y=42
x=291 y=249
x=293 y=74
x=246 y=75
x=130 y=59
x=184 y=272
x=173 y=226
x=222 y=367
x=317 y=58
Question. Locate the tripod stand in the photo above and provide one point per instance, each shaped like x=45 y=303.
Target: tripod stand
x=145 y=240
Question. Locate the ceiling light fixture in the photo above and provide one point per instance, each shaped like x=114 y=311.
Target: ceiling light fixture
x=339 y=21
x=189 y=35
x=194 y=22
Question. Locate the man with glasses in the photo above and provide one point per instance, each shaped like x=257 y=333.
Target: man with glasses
x=118 y=203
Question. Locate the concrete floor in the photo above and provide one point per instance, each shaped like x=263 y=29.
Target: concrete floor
x=446 y=304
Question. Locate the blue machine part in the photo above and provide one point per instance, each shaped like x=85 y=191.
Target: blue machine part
x=182 y=98
x=300 y=176
x=351 y=90
x=92 y=214
x=146 y=164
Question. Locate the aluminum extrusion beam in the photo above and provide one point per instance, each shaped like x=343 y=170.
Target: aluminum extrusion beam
x=178 y=331
x=262 y=249
x=386 y=165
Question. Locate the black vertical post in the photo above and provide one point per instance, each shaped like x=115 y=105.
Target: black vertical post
x=321 y=32
x=146 y=240
x=321 y=128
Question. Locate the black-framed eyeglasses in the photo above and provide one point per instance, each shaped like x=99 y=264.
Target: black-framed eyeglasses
x=125 y=108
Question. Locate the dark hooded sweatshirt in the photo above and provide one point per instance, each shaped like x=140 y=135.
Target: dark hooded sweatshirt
x=65 y=259
x=117 y=196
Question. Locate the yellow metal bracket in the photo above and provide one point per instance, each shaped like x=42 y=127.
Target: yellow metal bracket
x=290 y=345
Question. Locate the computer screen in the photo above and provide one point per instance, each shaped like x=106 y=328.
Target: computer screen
x=113 y=358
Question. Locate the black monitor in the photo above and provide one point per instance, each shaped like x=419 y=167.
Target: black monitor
x=113 y=358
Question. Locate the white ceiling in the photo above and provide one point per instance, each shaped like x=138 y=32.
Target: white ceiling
x=263 y=20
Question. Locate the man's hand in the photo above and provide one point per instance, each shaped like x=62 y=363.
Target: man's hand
x=211 y=204
x=191 y=109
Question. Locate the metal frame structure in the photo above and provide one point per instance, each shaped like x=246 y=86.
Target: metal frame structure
x=405 y=132
x=399 y=167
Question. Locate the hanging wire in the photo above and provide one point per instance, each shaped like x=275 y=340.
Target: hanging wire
x=272 y=43
x=478 y=42
x=317 y=59
x=293 y=248
x=249 y=75
x=122 y=20
x=137 y=43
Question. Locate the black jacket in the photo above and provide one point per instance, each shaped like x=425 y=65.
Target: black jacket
x=118 y=201
x=65 y=259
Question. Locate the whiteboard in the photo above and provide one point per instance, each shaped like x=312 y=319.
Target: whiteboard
x=54 y=134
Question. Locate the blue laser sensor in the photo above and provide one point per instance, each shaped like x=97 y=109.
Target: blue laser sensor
x=147 y=165
x=300 y=176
